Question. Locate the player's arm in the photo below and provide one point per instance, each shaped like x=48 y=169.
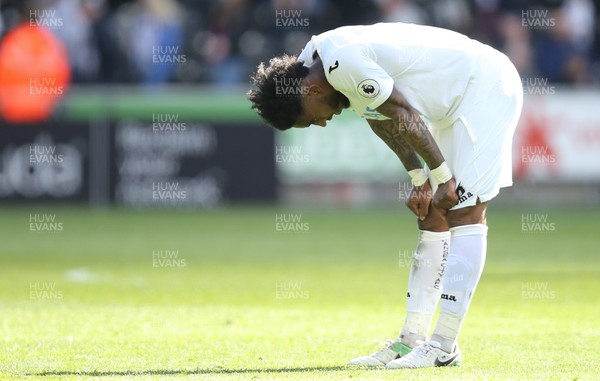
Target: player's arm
x=415 y=132
x=420 y=196
x=389 y=132
x=412 y=128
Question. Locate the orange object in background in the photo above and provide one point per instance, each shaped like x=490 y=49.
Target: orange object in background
x=34 y=74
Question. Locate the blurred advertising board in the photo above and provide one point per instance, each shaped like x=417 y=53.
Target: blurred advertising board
x=558 y=138
x=157 y=163
x=187 y=164
x=44 y=162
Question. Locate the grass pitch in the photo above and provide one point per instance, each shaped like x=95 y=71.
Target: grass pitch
x=228 y=294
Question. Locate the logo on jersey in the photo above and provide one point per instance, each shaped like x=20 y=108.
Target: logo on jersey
x=369 y=88
x=334 y=66
x=462 y=194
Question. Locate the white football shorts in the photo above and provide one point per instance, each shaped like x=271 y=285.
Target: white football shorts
x=478 y=145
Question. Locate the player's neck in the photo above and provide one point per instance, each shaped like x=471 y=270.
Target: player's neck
x=316 y=73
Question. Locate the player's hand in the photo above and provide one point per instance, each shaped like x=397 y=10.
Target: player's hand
x=445 y=197
x=419 y=199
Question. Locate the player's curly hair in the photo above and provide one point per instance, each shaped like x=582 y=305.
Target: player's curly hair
x=281 y=112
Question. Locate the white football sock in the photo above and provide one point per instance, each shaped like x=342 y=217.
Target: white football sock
x=424 y=284
x=463 y=270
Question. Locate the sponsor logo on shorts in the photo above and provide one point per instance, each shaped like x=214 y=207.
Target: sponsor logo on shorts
x=462 y=194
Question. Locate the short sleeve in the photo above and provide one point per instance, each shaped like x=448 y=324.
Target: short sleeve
x=306 y=55
x=354 y=73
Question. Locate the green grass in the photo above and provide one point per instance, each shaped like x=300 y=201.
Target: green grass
x=116 y=317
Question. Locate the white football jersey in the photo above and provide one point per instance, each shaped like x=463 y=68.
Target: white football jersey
x=438 y=71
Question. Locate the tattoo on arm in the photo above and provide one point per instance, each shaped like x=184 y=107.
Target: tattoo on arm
x=389 y=132
x=412 y=128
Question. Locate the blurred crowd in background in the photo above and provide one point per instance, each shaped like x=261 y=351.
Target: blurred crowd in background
x=220 y=42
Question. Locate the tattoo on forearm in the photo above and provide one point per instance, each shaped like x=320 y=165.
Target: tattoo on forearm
x=412 y=128
x=416 y=133
x=390 y=133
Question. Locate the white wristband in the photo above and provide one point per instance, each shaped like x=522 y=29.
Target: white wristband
x=418 y=177
x=442 y=173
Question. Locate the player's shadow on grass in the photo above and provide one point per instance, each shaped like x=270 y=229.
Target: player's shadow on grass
x=167 y=372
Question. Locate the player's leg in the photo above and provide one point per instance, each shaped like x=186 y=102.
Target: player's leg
x=424 y=289
x=425 y=278
x=463 y=269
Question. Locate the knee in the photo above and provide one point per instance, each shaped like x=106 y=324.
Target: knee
x=434 y=222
